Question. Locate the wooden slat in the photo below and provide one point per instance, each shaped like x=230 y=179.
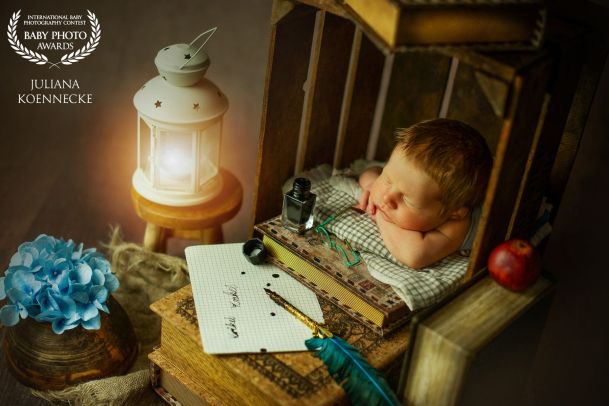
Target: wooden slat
x=471 y=105
x=282 y=108
x=449 y=87
x=415 y=93
x=361 y=112
x=511 y=156
x=327 y=85
x=345 y=107
x=502 y=65
x=570 y=56
x=309 y=91
x=596 y=50
x=530 y=179
x=447 y=342
x=331 y=6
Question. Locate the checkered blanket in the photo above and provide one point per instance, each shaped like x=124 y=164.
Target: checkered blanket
x=418 y=288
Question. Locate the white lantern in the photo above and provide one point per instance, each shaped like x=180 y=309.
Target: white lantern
x=179 y=129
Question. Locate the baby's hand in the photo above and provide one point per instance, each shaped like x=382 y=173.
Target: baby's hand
x=366 y=180
x=367 y=205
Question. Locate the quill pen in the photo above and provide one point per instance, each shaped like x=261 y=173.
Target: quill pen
x=363 y=384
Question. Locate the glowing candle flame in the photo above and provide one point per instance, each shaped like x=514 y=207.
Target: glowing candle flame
x=176 y=164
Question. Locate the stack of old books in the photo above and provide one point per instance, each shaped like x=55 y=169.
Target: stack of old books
x=355 y=306
x=309 y=259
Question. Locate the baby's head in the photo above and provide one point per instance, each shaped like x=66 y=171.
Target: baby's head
x=454 y=155
x=438 y=170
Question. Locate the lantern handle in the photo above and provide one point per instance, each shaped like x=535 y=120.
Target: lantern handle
x=211 y=32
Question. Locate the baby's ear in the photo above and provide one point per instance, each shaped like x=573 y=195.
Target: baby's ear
x=459 y=214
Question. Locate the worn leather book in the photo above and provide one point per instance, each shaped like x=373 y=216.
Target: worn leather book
x=297 y=378
x=492 y=24
x=353 y=289
x=173 y=385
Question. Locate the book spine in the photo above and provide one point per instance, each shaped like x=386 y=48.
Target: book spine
x=173 y=385
x=303 y=270
x=155 y=382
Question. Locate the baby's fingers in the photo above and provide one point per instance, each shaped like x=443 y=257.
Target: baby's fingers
x=371 y=208
x=363 y=200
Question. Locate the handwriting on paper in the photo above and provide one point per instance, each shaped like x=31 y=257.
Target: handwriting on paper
x=233 y=310
x=231 y=292
x=231 y=325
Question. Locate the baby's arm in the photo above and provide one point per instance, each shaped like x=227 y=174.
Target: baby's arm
x=368 y=176
x=417 y=249
x=366 y=179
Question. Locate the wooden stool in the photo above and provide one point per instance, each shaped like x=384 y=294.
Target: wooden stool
x=201 y=222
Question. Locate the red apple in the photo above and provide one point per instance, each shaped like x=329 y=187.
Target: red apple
x=514 y=264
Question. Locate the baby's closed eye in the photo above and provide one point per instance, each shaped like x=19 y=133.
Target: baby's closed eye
x=409 y=203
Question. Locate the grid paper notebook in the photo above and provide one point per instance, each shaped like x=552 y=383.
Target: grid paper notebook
x=235 y=315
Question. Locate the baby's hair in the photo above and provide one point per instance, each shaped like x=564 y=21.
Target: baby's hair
x=454 y=155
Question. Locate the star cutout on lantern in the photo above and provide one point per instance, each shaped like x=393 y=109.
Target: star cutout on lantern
x=158 y=104
x=195 y=106
x=187 y=56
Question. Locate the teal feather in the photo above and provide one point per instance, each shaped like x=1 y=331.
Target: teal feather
x=363 y=384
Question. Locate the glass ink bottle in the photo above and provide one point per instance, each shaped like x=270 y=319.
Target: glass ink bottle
x=298 y=203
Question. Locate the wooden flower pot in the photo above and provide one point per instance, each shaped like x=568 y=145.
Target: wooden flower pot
x=43 y=360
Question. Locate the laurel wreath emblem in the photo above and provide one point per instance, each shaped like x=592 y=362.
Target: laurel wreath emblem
x=41 y=59
x=89 y=47
x=38 y=59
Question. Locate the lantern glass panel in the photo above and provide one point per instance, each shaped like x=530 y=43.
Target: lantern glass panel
x=209 y=152
x=144 y=146
x=174 y=160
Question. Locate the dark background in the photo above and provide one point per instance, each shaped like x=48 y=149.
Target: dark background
x=65 y=170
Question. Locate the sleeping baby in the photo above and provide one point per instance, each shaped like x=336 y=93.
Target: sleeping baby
x=426 y=200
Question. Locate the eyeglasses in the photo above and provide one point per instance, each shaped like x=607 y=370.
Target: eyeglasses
x=326 y=237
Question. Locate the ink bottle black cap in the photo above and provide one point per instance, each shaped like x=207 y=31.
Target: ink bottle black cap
x=298 y=204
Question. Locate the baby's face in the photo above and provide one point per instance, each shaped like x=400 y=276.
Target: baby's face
x=406 y=196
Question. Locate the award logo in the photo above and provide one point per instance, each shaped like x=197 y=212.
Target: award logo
x=54 y=39
x=66 y=38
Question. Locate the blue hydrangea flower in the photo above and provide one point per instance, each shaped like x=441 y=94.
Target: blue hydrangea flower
x=56 y=281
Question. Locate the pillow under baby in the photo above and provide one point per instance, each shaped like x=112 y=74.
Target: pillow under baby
x=418 y=288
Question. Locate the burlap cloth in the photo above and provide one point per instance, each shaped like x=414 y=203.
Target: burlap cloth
x=145 y=278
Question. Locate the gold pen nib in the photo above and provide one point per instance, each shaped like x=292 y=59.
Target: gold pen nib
x=315 y=327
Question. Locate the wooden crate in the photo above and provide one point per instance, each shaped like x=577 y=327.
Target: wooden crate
x=333 y=96
x=335 y=93
x=448 y=341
